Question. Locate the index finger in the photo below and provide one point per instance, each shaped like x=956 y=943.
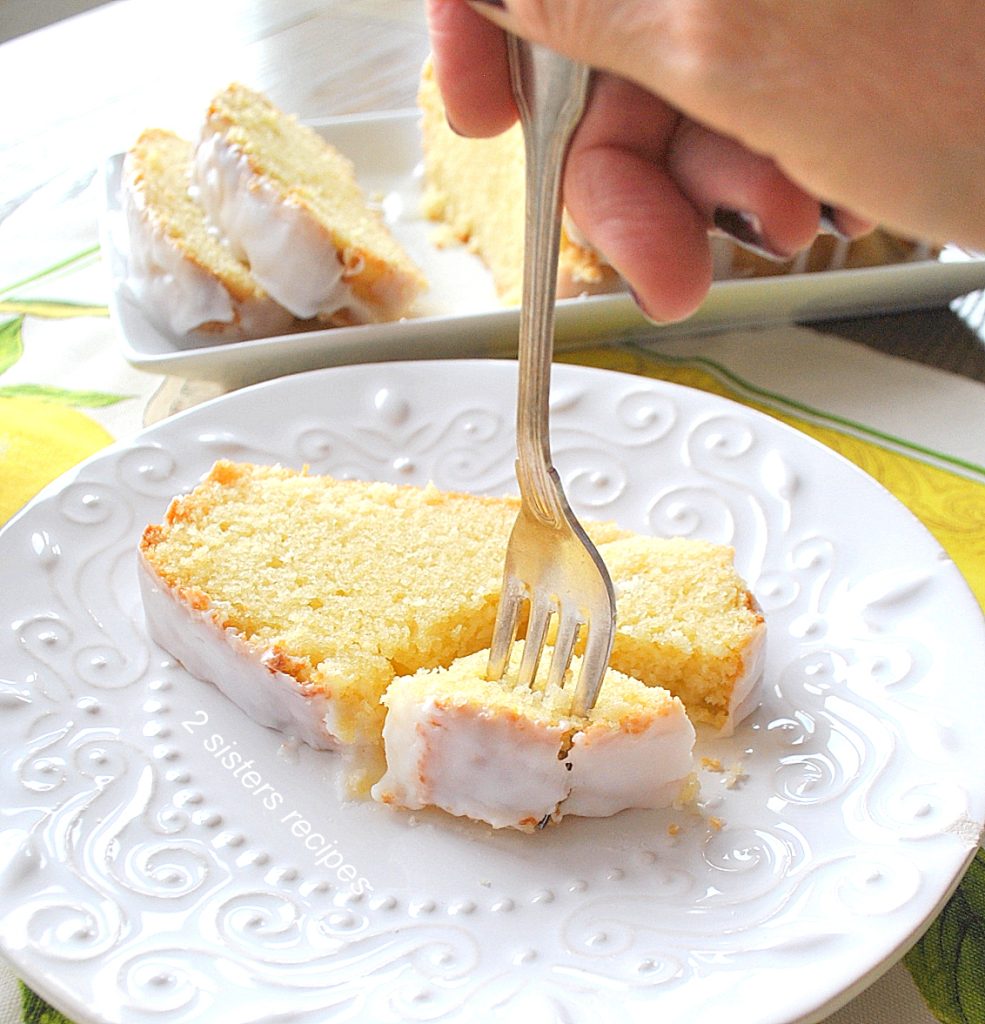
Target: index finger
x=469 y=55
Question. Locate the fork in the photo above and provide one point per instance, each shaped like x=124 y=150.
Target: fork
x=550 y=561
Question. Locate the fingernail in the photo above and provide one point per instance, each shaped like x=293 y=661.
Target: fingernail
x=746 y=229
x=829 y=221
x=642 y=308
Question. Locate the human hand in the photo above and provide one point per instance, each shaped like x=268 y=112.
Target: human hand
x=725 y=117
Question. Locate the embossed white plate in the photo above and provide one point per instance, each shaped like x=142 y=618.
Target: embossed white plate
x=164 y=858
x=461 y=315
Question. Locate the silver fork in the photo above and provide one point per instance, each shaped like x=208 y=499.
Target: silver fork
x=550 y=561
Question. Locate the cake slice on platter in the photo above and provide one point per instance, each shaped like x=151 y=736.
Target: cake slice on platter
x=289 y=205
x=475 y=188
x=178 y=269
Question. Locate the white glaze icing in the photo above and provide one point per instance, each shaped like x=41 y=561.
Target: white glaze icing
x=178 y=293
x=471 y=763
x=745 y=692
x=574 y=232
x=288 y=252
x=612 y=770
x=492 y=766
x=234 y=665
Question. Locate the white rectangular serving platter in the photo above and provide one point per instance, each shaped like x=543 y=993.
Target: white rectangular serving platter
x=461 y=315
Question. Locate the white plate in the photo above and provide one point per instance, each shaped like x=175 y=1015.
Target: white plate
x=461 y=315
x=143 y=878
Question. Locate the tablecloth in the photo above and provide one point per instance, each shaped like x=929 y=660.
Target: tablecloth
x=66 y=391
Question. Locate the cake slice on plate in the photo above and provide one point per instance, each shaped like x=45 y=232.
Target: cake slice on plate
x=328 y=588
x=303 y=597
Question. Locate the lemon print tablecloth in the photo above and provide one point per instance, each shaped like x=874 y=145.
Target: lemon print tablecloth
x=65 y=392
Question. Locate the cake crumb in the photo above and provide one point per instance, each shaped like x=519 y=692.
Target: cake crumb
x=716 y=823
x=443 y=237
x=673 y=829
x=736 y=775
x=712 y=764
x=690 y=791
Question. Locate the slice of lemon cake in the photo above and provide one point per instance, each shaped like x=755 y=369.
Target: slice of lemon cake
x=178 y=270
x=515 y=758
x=475 y=187
x=303 y=597
x=289 y=204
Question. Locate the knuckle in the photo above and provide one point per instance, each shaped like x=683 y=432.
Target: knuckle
x=572 y=26
x=705 y=37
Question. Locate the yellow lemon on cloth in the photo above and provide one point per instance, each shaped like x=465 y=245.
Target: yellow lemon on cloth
x=40 y=440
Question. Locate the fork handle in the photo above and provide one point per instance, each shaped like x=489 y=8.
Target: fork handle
x=550 y=92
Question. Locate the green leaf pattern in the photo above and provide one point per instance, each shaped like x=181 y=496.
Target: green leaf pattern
x=12 y=336
x=948 y=963
x=64 y=396
x=51 y=309
x=34 y=1010
x=11 y=343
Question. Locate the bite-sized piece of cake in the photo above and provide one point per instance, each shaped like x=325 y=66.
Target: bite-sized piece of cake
x=289 y=204
x=475 y=187
x=687 y=621
x=178 y=270
x=514 y=756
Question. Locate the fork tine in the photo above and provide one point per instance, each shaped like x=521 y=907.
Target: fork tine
x=564 y=648
x=540 y=617
x=504 y=632
x=598 y=648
